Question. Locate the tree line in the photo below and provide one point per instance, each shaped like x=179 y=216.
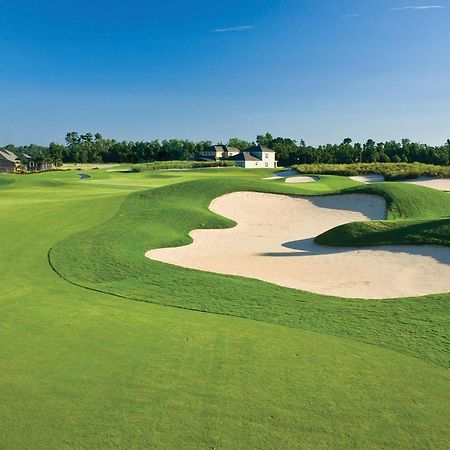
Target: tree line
x=94 y=148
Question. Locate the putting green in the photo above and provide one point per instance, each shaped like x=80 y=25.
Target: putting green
x=84 y=369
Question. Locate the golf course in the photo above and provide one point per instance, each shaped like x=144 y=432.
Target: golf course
x=110 y=340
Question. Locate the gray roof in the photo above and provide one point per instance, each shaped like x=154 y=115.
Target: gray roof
x=245 y=156
x=221 y=148
x=9 y=156
x=24 y=156
x=259 y=149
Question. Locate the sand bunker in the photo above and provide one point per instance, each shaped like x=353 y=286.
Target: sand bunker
x=301 y=179
x=282 y=174
x=273 y=241
x=442 y=184
x=290 y=177
x=368 y=178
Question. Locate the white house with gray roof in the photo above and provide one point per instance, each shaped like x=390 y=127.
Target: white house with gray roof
x=256 y=157
x=218 y=152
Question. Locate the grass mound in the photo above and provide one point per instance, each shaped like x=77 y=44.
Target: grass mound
x=110 y=258
x=408 y=202
x=359 y=234
x=82 y=369
x=417 y=216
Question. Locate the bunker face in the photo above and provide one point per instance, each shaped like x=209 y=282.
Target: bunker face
x=273 y=242
x=441 y=184
x=301 y=180
x=368 y=178
x=290 y=177
x=282 y=174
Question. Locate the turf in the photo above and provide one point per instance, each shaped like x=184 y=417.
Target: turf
x=409 y=202
x=110 y=258
x=84 y=369
x=417 y=216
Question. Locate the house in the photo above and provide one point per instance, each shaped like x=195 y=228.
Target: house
x=8 y=161
x=31 y=164
x=21 y=162
x=256 y=157
x=218 y=152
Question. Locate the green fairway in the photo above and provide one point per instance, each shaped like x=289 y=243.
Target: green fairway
x=177 y=358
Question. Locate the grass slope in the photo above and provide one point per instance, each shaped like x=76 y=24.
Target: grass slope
x=110 y=258
x=416 y=215
x=410 y=202
x=83 y=369
x=431 y=232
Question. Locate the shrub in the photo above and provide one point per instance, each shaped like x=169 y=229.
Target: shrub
x=392 y=171
x=171 y=165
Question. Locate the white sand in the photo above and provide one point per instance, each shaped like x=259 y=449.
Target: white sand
x=282 y=174
x=273 y=242
x=369 y=178
x=290 y=177
x=301 y=179
x=442 y=184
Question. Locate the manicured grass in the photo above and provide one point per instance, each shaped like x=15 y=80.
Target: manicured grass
x=110 y=258
x=409 y=207
x=409 y=202
x=431 y=232
x=84 y=369
x=4 y=180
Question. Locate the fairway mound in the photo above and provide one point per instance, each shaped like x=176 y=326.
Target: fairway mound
x=273 y=242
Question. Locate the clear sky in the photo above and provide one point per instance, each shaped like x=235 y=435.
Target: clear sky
x=205 y=69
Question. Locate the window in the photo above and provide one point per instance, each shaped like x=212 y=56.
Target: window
x=267 y=155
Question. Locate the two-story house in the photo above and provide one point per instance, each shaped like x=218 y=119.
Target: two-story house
x=256 y=157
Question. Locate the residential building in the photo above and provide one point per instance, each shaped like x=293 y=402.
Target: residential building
x=21 y=162
x=256 y=157
x=8 y=161
x=218 y=152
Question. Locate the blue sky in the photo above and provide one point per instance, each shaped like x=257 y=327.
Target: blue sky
x=140 y=70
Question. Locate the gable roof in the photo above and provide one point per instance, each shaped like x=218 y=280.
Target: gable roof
x=231 y=149
x=259 y=149
x=245 y=156
x=9 y=156
x=220 y=149
x=24 y=156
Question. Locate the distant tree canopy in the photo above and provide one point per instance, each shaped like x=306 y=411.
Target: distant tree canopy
x=240 y=143
x=93 y=148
